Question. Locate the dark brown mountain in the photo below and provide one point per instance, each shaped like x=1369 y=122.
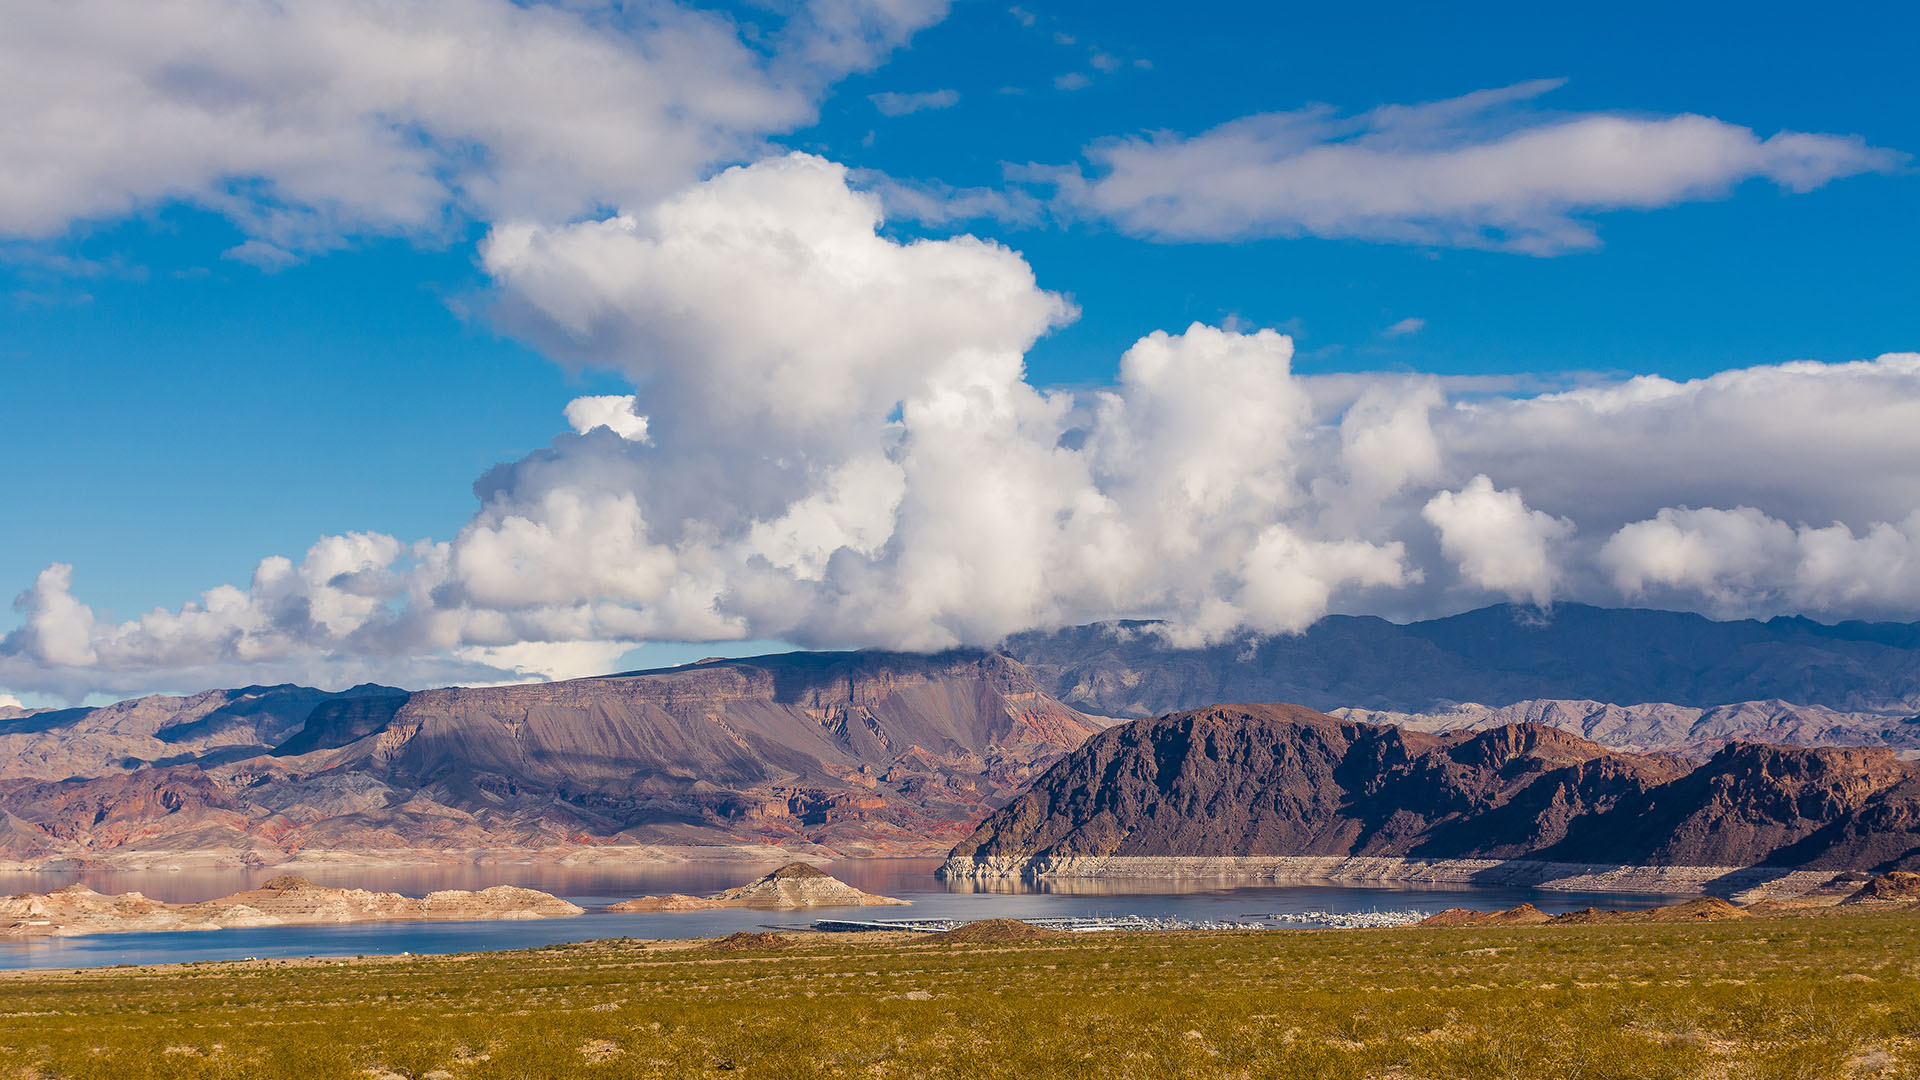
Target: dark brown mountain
x=1286 y=780
x=856 y=753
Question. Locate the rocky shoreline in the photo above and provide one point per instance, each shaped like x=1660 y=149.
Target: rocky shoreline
x=1740 y=883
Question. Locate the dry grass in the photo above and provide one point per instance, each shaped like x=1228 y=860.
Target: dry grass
x=1818 y=996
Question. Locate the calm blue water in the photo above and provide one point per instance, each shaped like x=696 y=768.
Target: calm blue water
x=596 y=887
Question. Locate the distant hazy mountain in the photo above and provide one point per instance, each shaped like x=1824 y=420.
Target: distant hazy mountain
x=1270 y=780
x=161 y=730
x=1494 y=656
x=1658 y=727
x=858 y=753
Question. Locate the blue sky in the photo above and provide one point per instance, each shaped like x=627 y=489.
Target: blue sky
x=175 y=415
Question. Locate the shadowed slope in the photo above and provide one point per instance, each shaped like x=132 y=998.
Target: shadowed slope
x=1281 y=780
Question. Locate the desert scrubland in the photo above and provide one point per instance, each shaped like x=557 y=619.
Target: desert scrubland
x=1808 y=994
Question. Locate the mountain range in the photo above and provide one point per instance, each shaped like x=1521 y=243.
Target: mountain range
x=871 y=753
x=1491 y=656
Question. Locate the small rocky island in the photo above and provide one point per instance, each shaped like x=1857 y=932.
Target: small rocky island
x=286 y=900
x=795 y=885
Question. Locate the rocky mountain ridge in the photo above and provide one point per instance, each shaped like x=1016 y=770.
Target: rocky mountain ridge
x=848 y=753
x=1495 y=656
x=163 y=730
x=1662 y=727
x=1286 y=781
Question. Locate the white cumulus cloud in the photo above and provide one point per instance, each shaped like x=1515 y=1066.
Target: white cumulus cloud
x=1744 y=562
x=842 y=446
x=615 y=412
x=1499 y=544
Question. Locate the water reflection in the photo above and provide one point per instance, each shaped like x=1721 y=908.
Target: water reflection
x=594 y=887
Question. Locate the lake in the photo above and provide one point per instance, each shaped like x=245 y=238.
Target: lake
x=597 y=886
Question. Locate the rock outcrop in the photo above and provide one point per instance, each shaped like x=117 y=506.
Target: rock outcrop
x=283 y=901
x=1524 y=915
x=1705 y=909
x=795 y=885
x=1284 y=781
x=1898 y=887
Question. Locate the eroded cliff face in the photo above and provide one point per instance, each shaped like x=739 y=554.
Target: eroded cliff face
x=1277 y=780
x=857 y=753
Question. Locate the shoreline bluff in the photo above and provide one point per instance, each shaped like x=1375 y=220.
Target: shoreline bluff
x=1733 y=882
